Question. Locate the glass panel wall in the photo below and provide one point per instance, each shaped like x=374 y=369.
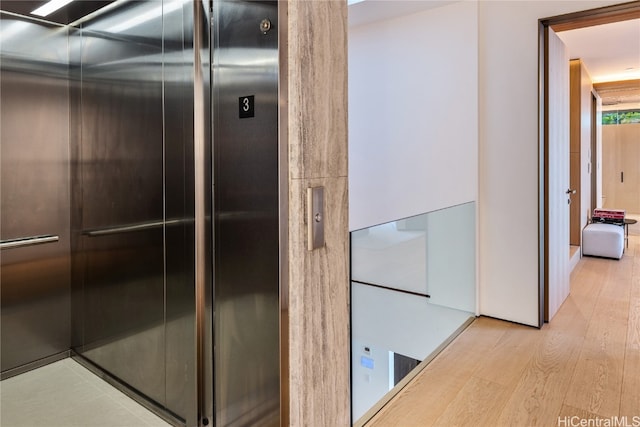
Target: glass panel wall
x=413 y=287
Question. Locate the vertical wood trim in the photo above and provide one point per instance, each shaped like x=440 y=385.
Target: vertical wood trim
x=318 y=288
x=584 y=196
x=575 y=137
x=283 y=179
x=593 y=160
x=574 y=93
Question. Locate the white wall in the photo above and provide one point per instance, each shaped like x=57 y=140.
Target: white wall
x=368 y=383
x=413 y=114
x=508 y=138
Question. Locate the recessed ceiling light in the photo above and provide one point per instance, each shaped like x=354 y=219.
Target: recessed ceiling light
x=147 y=16
x=50 y=7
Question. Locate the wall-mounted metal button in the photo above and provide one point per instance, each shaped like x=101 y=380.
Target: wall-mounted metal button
x=265 y=26
x=315 y=218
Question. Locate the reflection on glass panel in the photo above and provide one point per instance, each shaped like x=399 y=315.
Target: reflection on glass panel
x=392 y=255
x=413 y=287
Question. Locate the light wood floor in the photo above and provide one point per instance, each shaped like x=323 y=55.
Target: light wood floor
x=585 y=363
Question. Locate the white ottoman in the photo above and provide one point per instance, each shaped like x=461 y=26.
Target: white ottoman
x=604 y=240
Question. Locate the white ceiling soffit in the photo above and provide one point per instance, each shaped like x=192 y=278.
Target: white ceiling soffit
x=369 y=11
x=610 y=52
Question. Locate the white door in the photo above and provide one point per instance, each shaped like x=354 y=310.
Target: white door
x=558 y=175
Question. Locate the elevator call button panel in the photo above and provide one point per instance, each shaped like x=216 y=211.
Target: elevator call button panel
x=315 y=218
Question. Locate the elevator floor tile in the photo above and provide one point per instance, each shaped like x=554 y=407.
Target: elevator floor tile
x=64 y=394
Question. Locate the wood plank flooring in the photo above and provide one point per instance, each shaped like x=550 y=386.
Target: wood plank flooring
x=585 y=363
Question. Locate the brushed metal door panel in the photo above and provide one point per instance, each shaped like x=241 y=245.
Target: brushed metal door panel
x=245 y=64
x=179 y=202
x=34 y=191
x=134 y=212
x=120 y=223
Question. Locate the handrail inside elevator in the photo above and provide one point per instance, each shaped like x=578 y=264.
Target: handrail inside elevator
x=134 y=227
x=28 y=241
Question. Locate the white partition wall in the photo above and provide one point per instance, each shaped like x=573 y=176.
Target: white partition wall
x=413 y=127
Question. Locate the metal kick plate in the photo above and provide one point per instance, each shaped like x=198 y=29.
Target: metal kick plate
x=315 y=218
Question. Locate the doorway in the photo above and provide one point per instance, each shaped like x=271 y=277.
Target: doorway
x=554 y=270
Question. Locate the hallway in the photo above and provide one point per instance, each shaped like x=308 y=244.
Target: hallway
x=585 y=363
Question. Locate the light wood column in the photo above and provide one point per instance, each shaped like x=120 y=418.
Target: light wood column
x=318 y=280
x=575 y=86
x=580 y=147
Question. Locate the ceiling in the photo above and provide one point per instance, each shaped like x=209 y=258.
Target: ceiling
x=64 y=15
x=370 y=11
x=610 y=52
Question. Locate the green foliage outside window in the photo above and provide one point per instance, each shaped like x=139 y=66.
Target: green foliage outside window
x=620 y=117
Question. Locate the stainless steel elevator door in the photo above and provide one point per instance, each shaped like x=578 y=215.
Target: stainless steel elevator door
x=34 y=192
x=120 y=222
x=134 y=300
x=245 y=147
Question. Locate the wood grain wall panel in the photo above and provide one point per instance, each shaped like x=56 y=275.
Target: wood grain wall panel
x=580 y=147
x=318 y=288
x=319 y=312
x=610 y=166
x=574 y=210
x=318 y=88
x=621 y=153
x=575 y=78
x=630 y=165
x=586 y=89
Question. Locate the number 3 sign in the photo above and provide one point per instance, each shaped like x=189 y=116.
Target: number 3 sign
x=246 y=106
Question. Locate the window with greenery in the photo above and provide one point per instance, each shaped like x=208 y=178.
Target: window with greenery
x=620 y=117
